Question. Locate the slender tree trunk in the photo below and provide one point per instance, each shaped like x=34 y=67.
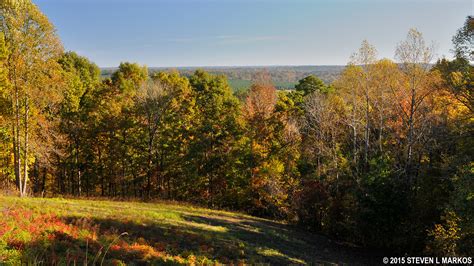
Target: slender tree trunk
x=43 y=183
x=59 y=176
x=17 y=141
x=134 y=182
x=168 y=181
x=318 y=162
x=410 y=136
x=61 y=183
x=149 y=166
x=335 y=158
x=367 y=126
x=15 y=157
x=25 y=160
x=78 y=169
x=354 y=128
x=161 y=170
x=354 y=141
x=124 y=163
x=210 y=178
x=382 y=110
x=16 y=129
x=37 y=184
x=101 y=172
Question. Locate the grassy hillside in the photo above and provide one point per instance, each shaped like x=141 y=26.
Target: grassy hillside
x=65 y=231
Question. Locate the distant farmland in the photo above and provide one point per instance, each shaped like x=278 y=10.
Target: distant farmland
x=242 y=84
x=240 y=78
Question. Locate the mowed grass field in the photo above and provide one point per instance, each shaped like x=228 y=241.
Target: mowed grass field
x=242 y=84
x=96 y=232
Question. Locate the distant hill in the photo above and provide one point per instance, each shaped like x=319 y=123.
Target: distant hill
x=240 y=77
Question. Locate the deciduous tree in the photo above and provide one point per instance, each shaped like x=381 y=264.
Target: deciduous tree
x=33 y=71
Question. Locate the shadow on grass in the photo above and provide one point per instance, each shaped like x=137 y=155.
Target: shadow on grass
x=195 y=239
x=281 y=244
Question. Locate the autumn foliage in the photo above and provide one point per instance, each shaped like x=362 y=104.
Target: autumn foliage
x=381 y=158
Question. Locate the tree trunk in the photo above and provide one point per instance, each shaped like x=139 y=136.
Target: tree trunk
x=101 y=172
x=354 y=128
x=354 y=140
x=25 y=160
x=17 y=155
x=367 y=127
x=408 y=169
x=78 y=169
x=151 y=138
x=382 y=110
x=124 y=163
x=43 y=183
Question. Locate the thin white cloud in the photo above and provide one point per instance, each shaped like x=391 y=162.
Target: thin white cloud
x=250 y=39
x=226 y=39
x=182 y=39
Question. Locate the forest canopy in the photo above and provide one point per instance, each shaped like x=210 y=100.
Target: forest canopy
x=381 y=156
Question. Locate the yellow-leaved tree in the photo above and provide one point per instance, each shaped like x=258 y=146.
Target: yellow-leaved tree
x=34 y=75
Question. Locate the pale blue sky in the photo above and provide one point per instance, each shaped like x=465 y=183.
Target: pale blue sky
x=247 y=32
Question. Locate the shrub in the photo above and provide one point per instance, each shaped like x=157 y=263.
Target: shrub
x=444 y=236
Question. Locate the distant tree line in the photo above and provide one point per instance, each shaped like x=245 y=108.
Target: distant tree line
x=382 y=157
x=283 y=77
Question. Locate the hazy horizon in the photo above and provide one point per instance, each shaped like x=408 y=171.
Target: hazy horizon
x=234 y=66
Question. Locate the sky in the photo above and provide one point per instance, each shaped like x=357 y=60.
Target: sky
x=174 y=33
